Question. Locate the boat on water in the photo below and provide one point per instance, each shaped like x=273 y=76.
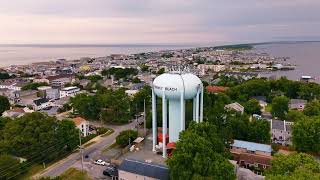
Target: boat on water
x=307 y=78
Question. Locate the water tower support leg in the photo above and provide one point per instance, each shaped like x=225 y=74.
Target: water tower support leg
x=194 y=108
x=164 y=123
x=201 y=105
x=154 y=121
x=182 y=109
x=197 y=106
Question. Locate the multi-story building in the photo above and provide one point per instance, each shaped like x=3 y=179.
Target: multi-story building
x=250 y=154
x=69 y=91
x=82 y=125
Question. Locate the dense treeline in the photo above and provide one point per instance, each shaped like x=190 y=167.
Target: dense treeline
x=33 y=86
x=111 y=106
x=294 y=167
x=5 y=75
x=273 y=88
x=119 y=72
x=36 y=137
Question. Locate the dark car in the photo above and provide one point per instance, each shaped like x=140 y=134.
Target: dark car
x=111 y=171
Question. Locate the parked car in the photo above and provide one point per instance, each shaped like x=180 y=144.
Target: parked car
x=111 y=171
x=101 y=162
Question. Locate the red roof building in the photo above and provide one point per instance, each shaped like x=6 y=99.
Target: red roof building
x=216 y=89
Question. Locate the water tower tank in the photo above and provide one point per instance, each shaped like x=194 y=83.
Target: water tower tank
x=174 y=88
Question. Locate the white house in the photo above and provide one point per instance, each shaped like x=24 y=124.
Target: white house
x=41 y=103
x=235 y=106
x=83 y=125
x=69 y=91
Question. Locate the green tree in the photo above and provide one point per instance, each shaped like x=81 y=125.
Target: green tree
x=4 y=75
x=259 y=131
x=252 y=107
x=306 y=135
x=280 y=106
x=30 y=135
x=293 y=166
x=9 y=166
x=193 y=159
x=312 y=108
x=87 y=106
x=119 y=72
x=161 y=71
x=4 y=104
x=144 y=68
x=136 y=80
x=33 y=86
x=125 y=136
x=94 y=78
x=295 y=115
x=115 y=106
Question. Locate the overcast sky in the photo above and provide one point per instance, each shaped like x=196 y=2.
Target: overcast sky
x=158 y=21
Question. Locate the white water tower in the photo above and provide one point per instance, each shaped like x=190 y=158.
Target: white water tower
x=174 y=88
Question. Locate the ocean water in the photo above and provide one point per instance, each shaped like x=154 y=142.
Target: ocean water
x=26 y=54
x=305 y=55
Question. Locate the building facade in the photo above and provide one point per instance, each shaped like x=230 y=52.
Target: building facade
x=69 y=91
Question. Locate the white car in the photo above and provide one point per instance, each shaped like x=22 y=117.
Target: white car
x=101 y=162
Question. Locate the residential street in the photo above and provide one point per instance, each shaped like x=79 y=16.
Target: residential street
x=93 y=152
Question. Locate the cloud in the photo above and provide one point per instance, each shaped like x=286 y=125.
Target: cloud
x=154 y=21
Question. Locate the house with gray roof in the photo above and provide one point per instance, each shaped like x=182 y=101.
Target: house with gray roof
x=140 y=170
x=297 y=104
x=281 y=132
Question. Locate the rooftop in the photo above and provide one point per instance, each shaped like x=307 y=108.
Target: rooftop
x=251 y=146
x=70 y=88
x=145 y=169
x=78 y=120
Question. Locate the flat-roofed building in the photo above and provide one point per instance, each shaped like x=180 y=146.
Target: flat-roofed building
x=134 y=169
x=69 y=91
x=250 y=154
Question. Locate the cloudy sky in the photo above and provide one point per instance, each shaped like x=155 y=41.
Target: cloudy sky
x=158 y=21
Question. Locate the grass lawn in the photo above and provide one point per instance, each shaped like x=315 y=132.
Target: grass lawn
x=34 y=170
x=75 y=174
x=113 y=145
x=110 y=131
x=269 y=107
x=88 y=144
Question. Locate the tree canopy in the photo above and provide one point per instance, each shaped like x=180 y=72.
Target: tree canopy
x=194 y=158
x=125 y=136
x=4 y=104
x=306 y=135
x=106 y=105
x=38 y=138
x=33 y=86
x=119 y=72
x=295 y=166
x=280 y=106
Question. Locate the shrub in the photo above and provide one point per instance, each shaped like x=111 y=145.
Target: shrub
x=123 y=138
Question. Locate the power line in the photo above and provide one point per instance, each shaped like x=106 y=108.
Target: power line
x=41 y=155
x=26 y=165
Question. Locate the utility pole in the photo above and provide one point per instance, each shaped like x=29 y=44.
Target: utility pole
x=144 y=117
x=81 y=150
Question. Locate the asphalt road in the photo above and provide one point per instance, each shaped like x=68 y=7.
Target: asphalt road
x=92 y=151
